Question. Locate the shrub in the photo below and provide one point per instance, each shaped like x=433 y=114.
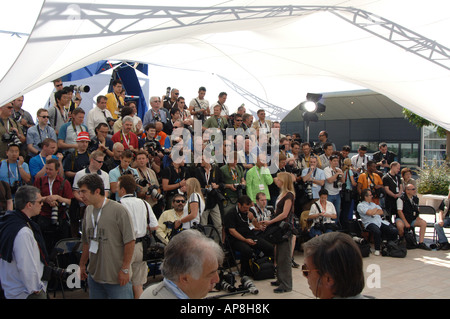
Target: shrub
x=433 y=179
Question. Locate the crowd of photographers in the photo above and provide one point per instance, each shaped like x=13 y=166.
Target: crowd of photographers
x=183 y=188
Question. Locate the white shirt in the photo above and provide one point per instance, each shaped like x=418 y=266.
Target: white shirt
x=357 y=161
x=95 y=117
x=22 y=276
x=329 y=186
x=201 y=205
x=138 y=213
x=329 y=209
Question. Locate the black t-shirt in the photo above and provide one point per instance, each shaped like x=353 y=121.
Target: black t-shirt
x=171 y=174
x=393 y=182
x=239 y=222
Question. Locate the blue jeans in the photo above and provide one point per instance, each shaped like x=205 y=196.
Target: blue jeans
x=442 y=239
x=336 y=200
x=109 y=291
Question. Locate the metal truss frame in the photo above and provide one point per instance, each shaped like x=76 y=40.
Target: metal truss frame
x=131 y=19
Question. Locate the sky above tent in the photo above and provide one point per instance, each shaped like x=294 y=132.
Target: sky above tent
x=265 y=54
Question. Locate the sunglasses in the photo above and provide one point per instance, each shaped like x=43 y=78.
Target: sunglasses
x=306 y=271
x=100 y=162
x=179 y=201
x=45 y=116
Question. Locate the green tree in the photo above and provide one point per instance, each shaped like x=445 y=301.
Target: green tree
x=421 y=122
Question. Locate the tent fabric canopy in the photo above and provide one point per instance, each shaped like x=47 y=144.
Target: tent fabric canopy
x=277 y=51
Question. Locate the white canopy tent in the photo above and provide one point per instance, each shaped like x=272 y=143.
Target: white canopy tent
x=269 y=52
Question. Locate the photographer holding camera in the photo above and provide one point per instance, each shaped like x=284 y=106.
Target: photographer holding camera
x=234 y=180
x=38 y=133
x=56 y=195
x=166 y=221
x=143 y=220
x=322 y=214
x=22 y=248
x=14 y=170
x=314 y=178
x=10 y=131
x=210 y=178
x=334 y=178
x=151 y=192
x=124 y=168
x=370 y=179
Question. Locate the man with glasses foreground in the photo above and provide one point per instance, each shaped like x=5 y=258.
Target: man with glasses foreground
x=334 y=267
x=22 y=248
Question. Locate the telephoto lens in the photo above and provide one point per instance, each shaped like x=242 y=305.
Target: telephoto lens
x=54 y=216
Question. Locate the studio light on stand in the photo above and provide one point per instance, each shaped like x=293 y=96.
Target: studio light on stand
x=310 y=108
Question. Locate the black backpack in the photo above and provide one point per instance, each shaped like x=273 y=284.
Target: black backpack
x=393 y=249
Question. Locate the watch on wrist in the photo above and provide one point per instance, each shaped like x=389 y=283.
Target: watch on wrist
x=125 y=271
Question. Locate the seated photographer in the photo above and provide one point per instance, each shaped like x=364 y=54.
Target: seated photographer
x=126 y=136
x=322 y=213
x=56 y=195
x=144 y=221
x=69 y=132
x=240 y=236
x=216 y=120
x=22 y=249
x=124 y=168
x=101 y=141
x=194 y=207
x=260 y=212
x=149 y=143
x=151 y=192
x=234 y=180
x=166 y=222
x=370 y=214
x=14 y=170
x=211 y=182
x=38 y=133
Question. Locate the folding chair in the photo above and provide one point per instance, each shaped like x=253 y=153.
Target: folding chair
x=66 y=252
x=429 y=210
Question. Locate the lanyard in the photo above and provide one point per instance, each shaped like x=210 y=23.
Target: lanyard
x=126 y=140
x=95 y=224
x=50 y=186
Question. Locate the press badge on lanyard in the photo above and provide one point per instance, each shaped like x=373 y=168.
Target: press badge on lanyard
x=93 y=247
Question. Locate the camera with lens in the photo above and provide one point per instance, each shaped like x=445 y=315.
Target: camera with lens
x=240 y=189
x=336 y=183
x=308 y=188
x=52 y=272
x=11 y=138
x=80 y=88
x=226 y=282
x=15 y=186
x=153 y=192
x=247 y=283
x=151 y=147
x=140 y=181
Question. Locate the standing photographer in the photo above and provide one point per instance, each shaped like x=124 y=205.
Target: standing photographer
x=14 y=170
x=10 y=131
x=334 y=177
x=210 y=178
x=143 y=219
x=314 y=179
x=22 y=248
x=56 y=195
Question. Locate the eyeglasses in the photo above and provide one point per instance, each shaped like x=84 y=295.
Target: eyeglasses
x=45 y=117
x=177 y=93
x=179 y=201
x=100 y=162
x=306 y=271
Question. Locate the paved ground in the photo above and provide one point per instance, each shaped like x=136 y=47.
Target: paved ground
x=421 y=275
